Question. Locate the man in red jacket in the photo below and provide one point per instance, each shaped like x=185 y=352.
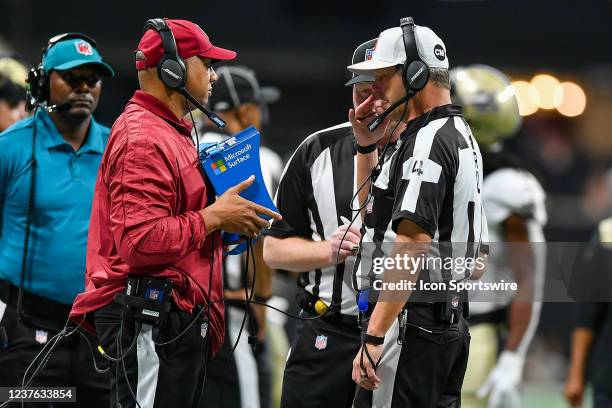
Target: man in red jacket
x=155 y=215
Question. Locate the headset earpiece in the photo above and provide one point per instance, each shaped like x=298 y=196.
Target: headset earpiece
x=416 y=75
x=171 y=69
x=172 y=73
x=415 y=72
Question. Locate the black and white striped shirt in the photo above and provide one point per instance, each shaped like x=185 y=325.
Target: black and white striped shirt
x=433 y=179
x=315 y=190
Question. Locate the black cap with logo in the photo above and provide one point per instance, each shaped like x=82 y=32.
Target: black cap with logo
x=362 y=53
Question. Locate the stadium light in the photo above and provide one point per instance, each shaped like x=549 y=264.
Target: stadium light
x=527 y=97
x=545 y=85
x=569 y=99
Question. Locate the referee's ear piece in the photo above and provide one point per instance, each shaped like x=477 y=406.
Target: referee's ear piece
x=416 y=76
x=415 y=70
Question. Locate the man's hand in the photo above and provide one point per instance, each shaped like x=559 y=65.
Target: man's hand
x=364 y=374
x=502 y=384
x=344 y=246
x=363 y=115
x=232 y=213
x=574 y=391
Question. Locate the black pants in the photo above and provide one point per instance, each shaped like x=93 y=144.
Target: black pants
x=602 y=398
x=427 y=370
x=159 y=376
x=70 y=364
x=241 y=378
x=318 y=370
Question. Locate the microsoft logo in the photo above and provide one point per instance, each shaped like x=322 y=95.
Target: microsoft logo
x=218 y=167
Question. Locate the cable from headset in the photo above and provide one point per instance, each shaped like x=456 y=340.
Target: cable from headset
x=93 y=354
x=370 y=178
x=119 y=350
x=248 y=296
x=58 y=337
x=49 y=348
x=28 y=227
x=121 y=355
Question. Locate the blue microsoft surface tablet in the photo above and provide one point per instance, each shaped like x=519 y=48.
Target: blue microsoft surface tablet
x=230 y=162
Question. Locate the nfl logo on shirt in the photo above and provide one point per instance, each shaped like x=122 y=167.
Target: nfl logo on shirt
x=41 y=336
x=83 y=47
x=321 y=342
x=204 y=330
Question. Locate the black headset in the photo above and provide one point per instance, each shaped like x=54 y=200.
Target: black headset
x=415 y=72
x=171 y=69
x=38 y=80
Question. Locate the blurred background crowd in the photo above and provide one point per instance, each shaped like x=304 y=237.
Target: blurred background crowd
x=556 y=53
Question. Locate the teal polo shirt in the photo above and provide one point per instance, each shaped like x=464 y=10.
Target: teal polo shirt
x=65 y=182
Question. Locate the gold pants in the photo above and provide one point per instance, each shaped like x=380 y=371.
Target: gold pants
x=483 y=356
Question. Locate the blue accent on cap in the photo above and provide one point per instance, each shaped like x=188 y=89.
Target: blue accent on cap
x=72 y=53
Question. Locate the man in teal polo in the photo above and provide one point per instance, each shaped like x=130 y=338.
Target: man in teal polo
x=44 y=217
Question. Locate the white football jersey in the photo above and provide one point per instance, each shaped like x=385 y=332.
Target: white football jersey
x=508 y=191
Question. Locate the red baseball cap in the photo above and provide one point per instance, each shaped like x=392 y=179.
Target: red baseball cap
x=190 y=40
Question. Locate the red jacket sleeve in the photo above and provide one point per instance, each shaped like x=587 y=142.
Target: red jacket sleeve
x=143 y=190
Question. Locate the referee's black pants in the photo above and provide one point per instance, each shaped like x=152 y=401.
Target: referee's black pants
x=427 y=370
x=159 y=376
x=318 y=370
x=71 y=361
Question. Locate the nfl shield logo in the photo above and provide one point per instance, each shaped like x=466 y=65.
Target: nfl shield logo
x=41 y=336
x=369 y=208
x=204 y=329
x=154 y=294
x=369 y=53
x=455 y=301
x=83 y=47
x=321 y=342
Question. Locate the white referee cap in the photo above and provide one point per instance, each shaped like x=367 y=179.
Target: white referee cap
x=390 y=51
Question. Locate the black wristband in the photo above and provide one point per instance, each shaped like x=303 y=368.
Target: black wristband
x=366 y=149
x=368 y=338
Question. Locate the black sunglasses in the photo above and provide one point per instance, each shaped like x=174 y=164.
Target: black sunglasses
x=75 y=81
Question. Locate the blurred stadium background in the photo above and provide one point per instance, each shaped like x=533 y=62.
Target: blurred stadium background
x=557 y=54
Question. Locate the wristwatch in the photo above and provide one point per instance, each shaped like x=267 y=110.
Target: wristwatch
x=368 y=338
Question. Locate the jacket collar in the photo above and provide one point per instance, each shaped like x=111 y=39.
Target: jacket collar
x=436 y=113
x=157 y=107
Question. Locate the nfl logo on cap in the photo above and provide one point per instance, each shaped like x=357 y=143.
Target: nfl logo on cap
x=83 y=47
x=368 y=54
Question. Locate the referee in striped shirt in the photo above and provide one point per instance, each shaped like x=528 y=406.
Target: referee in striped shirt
x=314 y=196
x=414 y=354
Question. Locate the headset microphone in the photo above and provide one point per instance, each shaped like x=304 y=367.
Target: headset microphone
x=59 y=107
x=210 y=114
x=379 y=119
